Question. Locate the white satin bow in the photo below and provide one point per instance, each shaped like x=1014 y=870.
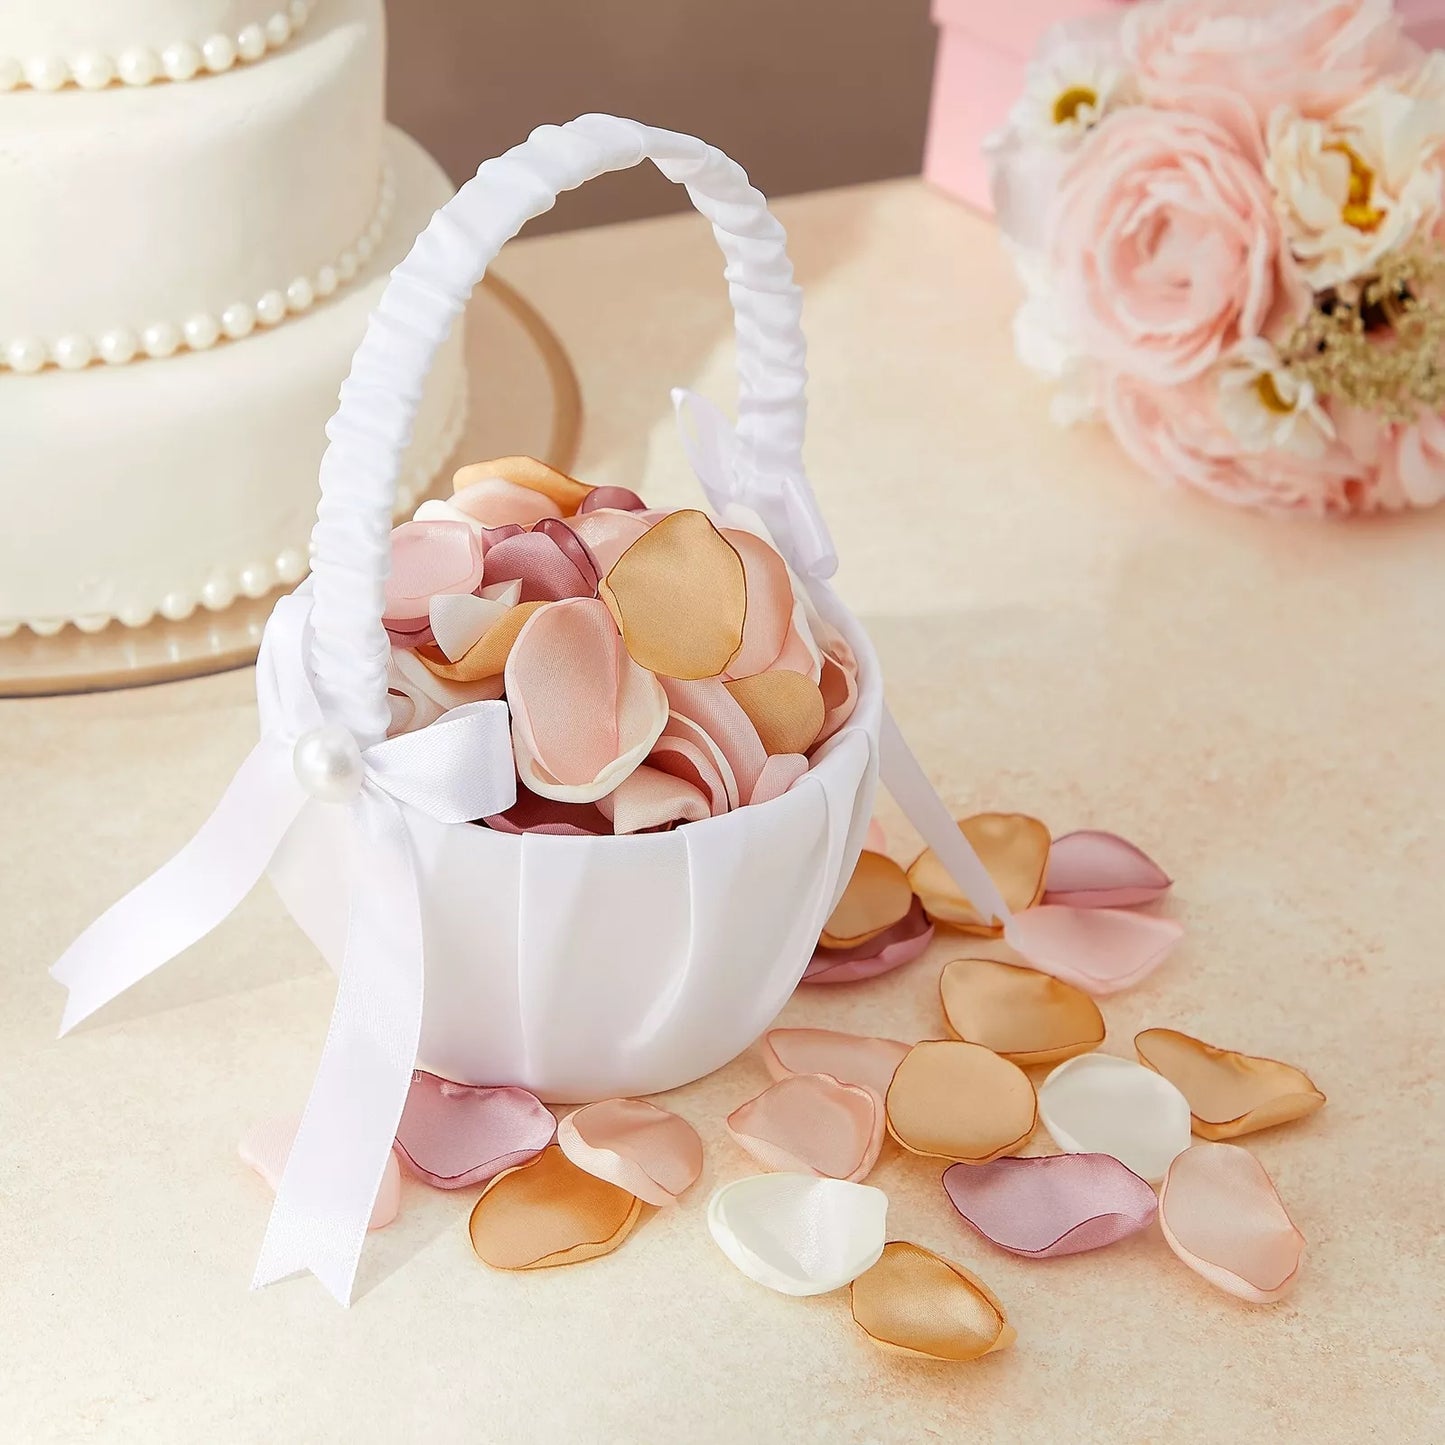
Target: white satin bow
x=460 y=768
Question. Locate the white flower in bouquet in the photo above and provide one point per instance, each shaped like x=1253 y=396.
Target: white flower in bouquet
x=1070 y=90
x=1267 y=406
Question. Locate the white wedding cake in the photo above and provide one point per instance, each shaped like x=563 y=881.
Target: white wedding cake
x=199 y=204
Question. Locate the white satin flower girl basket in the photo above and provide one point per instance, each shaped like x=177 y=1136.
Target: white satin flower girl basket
x=580 y=968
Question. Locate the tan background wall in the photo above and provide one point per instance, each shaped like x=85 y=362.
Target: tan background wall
x=805 y=93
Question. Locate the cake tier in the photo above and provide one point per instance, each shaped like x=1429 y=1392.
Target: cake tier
x=133 y=490
x=47 y=44
x=141 y=221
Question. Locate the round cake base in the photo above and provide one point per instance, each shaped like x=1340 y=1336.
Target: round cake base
x=523 y=398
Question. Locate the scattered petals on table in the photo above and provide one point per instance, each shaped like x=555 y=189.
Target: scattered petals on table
x=876 y=899
x=637 y=1146
x=1097 y=1104
x=1053 y=1204
x=1013 y=848
x=960 y=1101
x=905 y=941
x=266 y=1146
x=918 y=1303
x=1027 y=1016
x=798 y=1234
x=1221 y=1214
x=455 y=1135
x=550 y=1212
x=812 y=1124
x=1093 y=869
x=566 y=492
x=1100 y=950
x=1229 y=1093
x=850 y=1058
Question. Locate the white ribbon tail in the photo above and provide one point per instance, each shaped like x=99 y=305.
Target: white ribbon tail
x=187 y=897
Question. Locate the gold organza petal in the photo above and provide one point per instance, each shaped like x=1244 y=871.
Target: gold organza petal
x=918 y=1303
x=785 y=707
x=1020 y=1013
x=960 y=1101
x=1229 y=1093
x=679 y=596
x=487 y=657
x=812 y=1124
x=550 y=1212
x=567 y=492
x=877 y=897
x=1015 y=850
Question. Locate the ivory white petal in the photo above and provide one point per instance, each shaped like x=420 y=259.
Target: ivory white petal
x=436 y=510
x=459 y=620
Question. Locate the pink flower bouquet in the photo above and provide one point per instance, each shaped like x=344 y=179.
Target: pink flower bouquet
x=1228 y=216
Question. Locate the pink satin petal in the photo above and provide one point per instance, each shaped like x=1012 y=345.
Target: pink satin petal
x=572 y=547
x=497 y=503
x=650 y=798
x=453 y=1135
x=812 y=1124
x=546 y=572
x=849 y=1058
x=491 y=536
x=875 y=840
x=800 y=652
x=428 y=558
x=1099 y=950
x=713 y=708
x=534 y=814
x=770 y=604
x=779 y=774
x=621 y=499
x=607 y=534
x=1052 y=1204
x=649 y=1152
x=1092 y=869
x=687 y=752
x=838 y=681
x=901 y=944
x=266 y=1146
x=1221 y=1214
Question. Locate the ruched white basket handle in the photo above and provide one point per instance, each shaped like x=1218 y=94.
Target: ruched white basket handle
x=372 y=428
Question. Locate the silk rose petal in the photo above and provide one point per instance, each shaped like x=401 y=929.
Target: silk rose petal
x=411 y=675
x=266 y=1146
x=584 y=715
x=709 y=705
x=1221 y=1214
x=550 y=1212
x=1013 y=848
x=635 y=1145
x=1100 y=950
x=487 y=657
x=650 y=798
x=1097 y=1104
x=917 y=1303
x=894 y=947
x=960 y=1101
x=797 y=1234
x=460 y=620
x=1019 y=1013
x=496 y=503
x=779 y=774
x=1051 y=1205
x=428 y=558
x=812 y=1124
x=849 y=1058
x=621 y=499
x=1091 y=869
x=534 y=814
x=877 y=897
x=1229 y=1093
x=607 y=534
x=687 y=752
x=454 y=1135
x=785 y=707
x=837 y=680
x=567 y=493
x=548 y=572
x=770 y=603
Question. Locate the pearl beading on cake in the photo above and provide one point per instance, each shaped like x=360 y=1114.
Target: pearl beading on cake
x=203 y=330
x=256 y=579
x=140 y=65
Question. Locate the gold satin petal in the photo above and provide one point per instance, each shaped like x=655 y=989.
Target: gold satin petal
x=679 y=597
x=960 y=1101
x=567 y=492
x=877 y=897
x=550 y=1212
x=1020 y=1013
x=1013 y=848
x=918 y=1303
x=1229 y=1093
x=785 y=707
x=487 y=656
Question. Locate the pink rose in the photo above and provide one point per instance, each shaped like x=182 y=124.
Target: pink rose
x=1408 y=462
x=1311 y=55
x=1165 y=245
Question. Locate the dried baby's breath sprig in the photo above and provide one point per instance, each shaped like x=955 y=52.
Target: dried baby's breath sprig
x=1379 y=344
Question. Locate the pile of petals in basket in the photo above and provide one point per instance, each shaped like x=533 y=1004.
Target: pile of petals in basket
x=659 y=669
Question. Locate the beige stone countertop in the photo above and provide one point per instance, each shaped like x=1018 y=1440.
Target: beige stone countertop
x=1258 y=703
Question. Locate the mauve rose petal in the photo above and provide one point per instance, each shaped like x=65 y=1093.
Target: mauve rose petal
x=621 y=499
x=452 y=1135
x=901 y=944
x=427 y=558
x=572 y=547
x=546 y=572
x=1093 y=869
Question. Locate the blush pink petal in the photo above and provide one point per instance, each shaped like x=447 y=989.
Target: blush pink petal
x=546 y=572
x=1099 y=950
x=653 y=1154
x=534 y=814
x=267 y=1145
x=1091 y=869
x=607 y=533
x=713 y=708
x=901 y=944
x=812 y=1124
x=769 y=608
x=838 y=682
x=800 y=652
x=875 y=840
x=686 y=751
x=620 y=499
x=454 y=1135
x=779 y=774
x=850 y=1058
x=1053 y=1204
x=650 y=798
x=497 y=503
x=428 y=558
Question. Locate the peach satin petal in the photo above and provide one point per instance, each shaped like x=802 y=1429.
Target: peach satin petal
x=427 y=558
x=266 y=1146
x=1229 y=1093
x=1015 y=850
x=487 y=657
x=635 y=1145
x=550 y=1212
x=709 y=705
x=1221 y=1214
x=649 y=798
x=918 y=1303
x=784 y=707
x=849 y=1058
x=453 y=1135
x=891 y=949
x=1100 y=950
x=1051 y=1205
x=960 y=1101
x=679 y=595
x=566 y=492
x=1091 y=869
x=547 y=572
x=779 y=774
x=495 y=503
x=812 y=1124
x=877 y=897
x=1024 y=1015
x=607 y=534
x=770 y=602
